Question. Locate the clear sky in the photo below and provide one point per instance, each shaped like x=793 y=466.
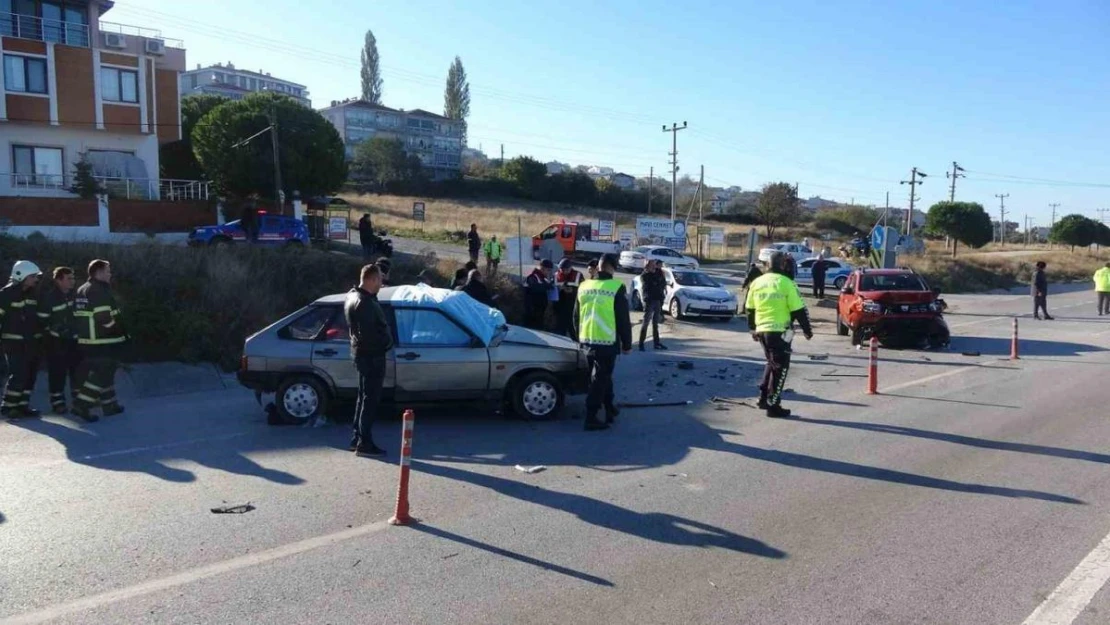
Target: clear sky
x=841 y=96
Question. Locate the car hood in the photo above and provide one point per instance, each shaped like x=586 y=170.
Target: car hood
x=899 y=297
x=524 y=336
x=705 y=291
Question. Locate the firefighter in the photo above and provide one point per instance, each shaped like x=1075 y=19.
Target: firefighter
x=60 y=341
x=605 y=329
x=773 y=305
x=18 y=325
x=100 y=335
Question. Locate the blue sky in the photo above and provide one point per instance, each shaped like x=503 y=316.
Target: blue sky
x=843 y=97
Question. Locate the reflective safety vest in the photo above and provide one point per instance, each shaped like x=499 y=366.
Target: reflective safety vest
x=97 y=315
x=773 y=297
x=597 y=311
x=493 y=249
x=1102 y=280
x=18 y=313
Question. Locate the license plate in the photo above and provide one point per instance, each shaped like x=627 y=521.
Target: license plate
x=718 y=308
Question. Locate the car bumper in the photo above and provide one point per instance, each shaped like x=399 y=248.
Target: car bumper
x=633 y=264
x=575 y=382
x=704 y=309
x=259 y=381
x=905 y=326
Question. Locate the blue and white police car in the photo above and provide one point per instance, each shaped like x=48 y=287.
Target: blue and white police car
x=272 y=230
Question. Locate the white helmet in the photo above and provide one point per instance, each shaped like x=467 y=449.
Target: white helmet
x=24 y=269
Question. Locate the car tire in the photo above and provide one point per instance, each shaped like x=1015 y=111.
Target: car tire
x=301 y=398
x=537 y=396
x=675 y=309
x=220 y=242
x=637 y=302
x=841 y=328
x=840 y=282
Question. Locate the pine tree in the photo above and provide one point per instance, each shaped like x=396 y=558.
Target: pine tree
x=371 y=70
x=85 y=185
x=456 y=97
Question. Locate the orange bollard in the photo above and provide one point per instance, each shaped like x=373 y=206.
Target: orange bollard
x=873 y=368
x=1014 y=343
x=401 y=513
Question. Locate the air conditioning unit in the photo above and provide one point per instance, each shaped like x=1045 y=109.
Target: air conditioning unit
x=115 y=40
x=155 y=46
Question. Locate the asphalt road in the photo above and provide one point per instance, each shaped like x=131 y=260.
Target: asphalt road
x=967 y=492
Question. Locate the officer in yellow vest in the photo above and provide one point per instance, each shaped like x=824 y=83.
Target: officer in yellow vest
x=604 y=327
x=100 y=335
x=773 y=305
x=1102 y=288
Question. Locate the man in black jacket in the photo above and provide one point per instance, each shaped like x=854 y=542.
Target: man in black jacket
x=653 y=282
x=56 y=306
x=371 y=339
x=473 y=243
x=1040 y=292
x=366 y=236
x=820 y=269
x=537 y=287
x=603 y=326
x=476 y=289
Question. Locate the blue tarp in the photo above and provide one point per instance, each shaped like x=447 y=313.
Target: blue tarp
x=478 y=318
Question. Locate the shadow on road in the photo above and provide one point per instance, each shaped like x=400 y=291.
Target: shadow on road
x=654 y=526
x=989 y=346
x=982 y=443
x=2 y=517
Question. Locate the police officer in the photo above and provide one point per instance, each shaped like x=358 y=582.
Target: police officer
x=100 y=335
x=567 y=280
x=60 y=342
x=773 y=305
x=18 y=326
x=604 y=327
x=371 y=339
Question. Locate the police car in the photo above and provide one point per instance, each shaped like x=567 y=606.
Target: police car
x=836 y=272
x=272 y=230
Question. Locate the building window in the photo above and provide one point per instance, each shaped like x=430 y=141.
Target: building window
x=119 y=85
x=24 y=74
x=37 y=166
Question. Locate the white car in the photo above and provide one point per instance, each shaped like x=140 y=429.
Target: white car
x=836 y=272
x=797 y=250
x=691 y=293
x=636 y=258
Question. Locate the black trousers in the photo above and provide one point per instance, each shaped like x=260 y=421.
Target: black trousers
x=1040 y=302
x=653 y=313
x=97 y=375
x=1104 y=302
x=371 y=377
x=534 y=313
x=603 y=361
x=20 y=358
x=777 y=352
x=818 y=285
x=564 y=317
x=62 y=361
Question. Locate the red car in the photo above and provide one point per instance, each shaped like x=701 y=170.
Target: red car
x=895 y=305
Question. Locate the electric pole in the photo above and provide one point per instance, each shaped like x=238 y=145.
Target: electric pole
x=1027 y=224
x=957 y=172
x=1002 y=217
x=674 y=162
x=651 y=185
x=502 y=161
x=913 y=182
x=1053 y=207
x=277 y=163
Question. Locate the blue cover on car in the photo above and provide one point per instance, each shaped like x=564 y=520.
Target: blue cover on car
x=477 y=317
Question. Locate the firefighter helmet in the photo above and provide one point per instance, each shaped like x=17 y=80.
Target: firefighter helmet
x=23 y=269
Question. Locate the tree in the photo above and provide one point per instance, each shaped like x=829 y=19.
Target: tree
x=177 y=159
x=527 y=174
x=777 y=207
x=456 y=97
x=385 y=162
x=310 y=150
x=85 y=185
x=371 y=70
x=963 y=221
x=1074 y=230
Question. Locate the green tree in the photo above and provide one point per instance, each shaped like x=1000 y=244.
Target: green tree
x=456 y=96
x=176 y=158
x=778 y=207
x=384 y=162
x=85 y=185
x=371 y=73
x=965 y=222
x=527 y=174
x=1073 y=230
x=310 y=150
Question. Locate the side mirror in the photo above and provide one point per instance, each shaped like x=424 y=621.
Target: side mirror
x=848 y=291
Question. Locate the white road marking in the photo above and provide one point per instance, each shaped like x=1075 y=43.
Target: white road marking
x=128 y=451
x=192 y=575
x=939 y=376
x=1019 y=316
x=1076 y=591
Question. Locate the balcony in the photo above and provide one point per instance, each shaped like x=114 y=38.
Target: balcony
x=40 y=29
x=140 y=32
x=58 y=185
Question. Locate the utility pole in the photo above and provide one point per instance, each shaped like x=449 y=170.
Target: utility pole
x=957 y=172
x=502 y=161
x=1002 y=218
x=674 y=162
x=277 y=163
x=651 y=185
x=1053 y=225
x=913 y=182
x=1027 y=230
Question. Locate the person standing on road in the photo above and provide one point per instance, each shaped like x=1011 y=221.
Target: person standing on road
x=366 y=236
x=18 y=324
x=493 y=251
x=100 y=335
x=820 y=268
x=654 y=284
x=537 y=286
x=56 y=306
x=773 y=305
x=1102 y=288
x=753 y=272
x=371 y=340
x=567 y=280
x=789 y=266
x=604 y=327
x=473 y=242
x=1040 y=292
x=591 y=269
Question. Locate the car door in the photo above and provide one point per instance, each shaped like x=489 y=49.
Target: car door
x=437 y=358
x=332 y=354
x=268 y=229
x=804 y=274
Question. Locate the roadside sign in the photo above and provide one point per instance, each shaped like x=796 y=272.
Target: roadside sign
x=605 y=228
x=338 y=228
x=418 y=211
x=716 y=236
x=878 y=238
x=626 y=238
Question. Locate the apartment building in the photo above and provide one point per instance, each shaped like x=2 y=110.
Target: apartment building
x=232 y=82
x=77 y=87
x=434 y=139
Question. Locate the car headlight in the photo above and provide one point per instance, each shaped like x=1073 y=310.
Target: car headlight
x=871 y=307
x=934 y=307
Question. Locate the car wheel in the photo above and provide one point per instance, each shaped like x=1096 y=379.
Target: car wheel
x=676 y=309
x=537 y=396
x=839 y=282
x=220 y=242
x=841 y=329
x=637 y=303
x=301 y=398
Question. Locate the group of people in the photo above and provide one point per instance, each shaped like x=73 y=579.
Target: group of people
x=77 y=332
x=1039 y=290
x=491 y=249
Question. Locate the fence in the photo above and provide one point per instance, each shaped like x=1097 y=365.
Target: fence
x=124 y=188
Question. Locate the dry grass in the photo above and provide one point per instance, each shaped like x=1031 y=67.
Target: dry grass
x=973 y=273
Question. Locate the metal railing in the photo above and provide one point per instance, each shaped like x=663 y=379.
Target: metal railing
x=139 y=31
x=126 y=188
x=40 y=29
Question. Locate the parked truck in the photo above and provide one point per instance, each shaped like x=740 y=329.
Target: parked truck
x=571 y=239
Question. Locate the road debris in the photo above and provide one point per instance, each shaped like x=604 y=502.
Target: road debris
x=658 y=405
x=686 y=365
x=530 y=470
x=660 y=383
x=972 y=354
x=817 y=357
x=240 y=509
x=357 y=562
x=449 y=556
x=730 y=401
x=694 y=383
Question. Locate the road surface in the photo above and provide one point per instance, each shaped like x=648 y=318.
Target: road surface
x=972 y=490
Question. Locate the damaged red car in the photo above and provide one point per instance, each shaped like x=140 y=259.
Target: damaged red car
x=895 y=305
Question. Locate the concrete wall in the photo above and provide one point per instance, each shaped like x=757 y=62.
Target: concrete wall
x=75 y=219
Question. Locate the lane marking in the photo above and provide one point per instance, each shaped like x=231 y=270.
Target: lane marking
x=1076 y=591
x=938 y=376
x=192 y=575
x=1018 y=315
x=125 y=452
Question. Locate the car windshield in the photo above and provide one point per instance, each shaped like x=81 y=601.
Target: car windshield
x=895 y=282
x=694 y=278
x=643 y=250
